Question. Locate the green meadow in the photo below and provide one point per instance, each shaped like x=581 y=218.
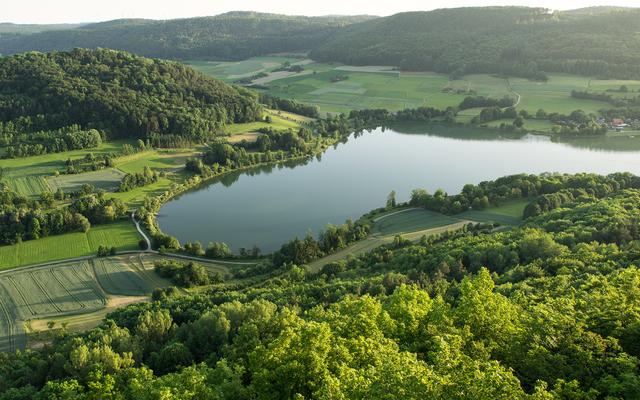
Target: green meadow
x=29 y=175
x=122 y=235
x=376 y=87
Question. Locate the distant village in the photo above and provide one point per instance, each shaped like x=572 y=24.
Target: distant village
x=620 y=125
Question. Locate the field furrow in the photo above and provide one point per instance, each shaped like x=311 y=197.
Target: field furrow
x=118 y=278
x=90 y=293
x=8 y=331
x=23 y=305
x=45 y=292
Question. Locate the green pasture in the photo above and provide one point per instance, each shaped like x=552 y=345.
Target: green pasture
x=610 y=85
x=411 y=220
x=509 y=213
x=369 y=87
x=230 y=71
x=280 y=120
x=122 y=235
x=159 y=160
x=555 y=94
x=107 y=179
x=28 y=175
x=413 y=223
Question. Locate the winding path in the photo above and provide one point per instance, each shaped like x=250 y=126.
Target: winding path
x=141 y=232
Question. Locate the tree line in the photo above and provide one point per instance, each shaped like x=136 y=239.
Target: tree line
x=22 y=144
x=23 y=219
x=133 y=180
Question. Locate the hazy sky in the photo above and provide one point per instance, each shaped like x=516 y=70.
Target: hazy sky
x=57 y=11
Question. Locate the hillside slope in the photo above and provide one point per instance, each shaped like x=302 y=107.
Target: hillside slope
x=512 y=40
x=123 y=94
x=233 y=36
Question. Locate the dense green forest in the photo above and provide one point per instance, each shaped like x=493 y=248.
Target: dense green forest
x=548 y=310
x=113 y=91
x=514 y=41
x=234 y=36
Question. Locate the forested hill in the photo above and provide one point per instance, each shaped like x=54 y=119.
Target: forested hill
x=123 y=94
x=232 y=36
x=512 y=40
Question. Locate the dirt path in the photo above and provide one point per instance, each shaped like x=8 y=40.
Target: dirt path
x=394 y=213
x=374 y=241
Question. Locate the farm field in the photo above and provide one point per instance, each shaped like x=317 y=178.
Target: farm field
x=230 y=71
x=122 y=235
x=380 y=87
x=509 y=213
x=107 y=179
x=80 y=292
x=280 y=120
x=76 y=322
x=411 y=220
x=28 y=175
x=377 y=87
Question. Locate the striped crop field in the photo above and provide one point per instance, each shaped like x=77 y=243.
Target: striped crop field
x=73 y=288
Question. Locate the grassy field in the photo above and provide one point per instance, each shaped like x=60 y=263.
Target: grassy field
x=411 y=220
x=377 y=240
x=71 y=292
x=280 y=120
x=376 y=87
x=122 y=235
x=509 y=213
x=28 y=175
x=230 y=71
x=107 y=179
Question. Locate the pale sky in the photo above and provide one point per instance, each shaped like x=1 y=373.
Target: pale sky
x=61 y=11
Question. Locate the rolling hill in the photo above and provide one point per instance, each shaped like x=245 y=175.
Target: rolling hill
x=233 y=36
x=118 y=92
x=509 y=40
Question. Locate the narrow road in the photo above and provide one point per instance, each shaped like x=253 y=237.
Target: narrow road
x=141 y=232
x=514 y=92
x=148 y=250
x=185 y=257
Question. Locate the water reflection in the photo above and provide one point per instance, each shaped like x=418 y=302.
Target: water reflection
x=271 y=204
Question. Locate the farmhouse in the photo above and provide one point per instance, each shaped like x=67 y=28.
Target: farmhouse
x=618 y=123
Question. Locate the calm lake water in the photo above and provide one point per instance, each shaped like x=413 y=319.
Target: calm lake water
x=269 y=206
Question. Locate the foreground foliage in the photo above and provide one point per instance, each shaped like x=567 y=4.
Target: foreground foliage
x=546 y=311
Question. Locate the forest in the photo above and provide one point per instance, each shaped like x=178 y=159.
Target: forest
x=120 y=93
x=512 y=41
x=230 y=36
x=547 y=310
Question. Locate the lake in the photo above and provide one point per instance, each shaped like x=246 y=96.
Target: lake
x=268 y=206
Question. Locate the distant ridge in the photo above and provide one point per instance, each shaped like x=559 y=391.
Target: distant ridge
x=235 y=35
x=516 y=41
